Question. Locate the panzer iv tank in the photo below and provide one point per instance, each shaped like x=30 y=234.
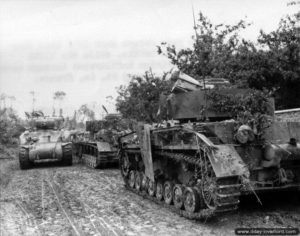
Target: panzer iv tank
x=199 y=169
x=44 y=142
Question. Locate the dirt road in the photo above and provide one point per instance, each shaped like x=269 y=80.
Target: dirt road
x=81 y=201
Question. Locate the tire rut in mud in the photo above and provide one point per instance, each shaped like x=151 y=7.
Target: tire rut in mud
x=57 y=212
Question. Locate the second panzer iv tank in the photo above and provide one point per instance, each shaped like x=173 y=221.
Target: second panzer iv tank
x=45 y=141
x=98 y=145
x=200 y=169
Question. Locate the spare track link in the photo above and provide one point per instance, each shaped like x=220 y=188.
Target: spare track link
x=227 y=192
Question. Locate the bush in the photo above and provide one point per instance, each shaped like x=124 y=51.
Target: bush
x=10 y=126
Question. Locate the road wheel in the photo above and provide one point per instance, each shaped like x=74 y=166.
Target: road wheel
x=138 y=181
x=67 y=158
x=191 y=200
x=159 y=191
x=131 y=179
x=79 y=152
x=178 y=192
x=151 y=188
x=145 y=182
x=24 y=159
x=168 y=192
x=124 y=164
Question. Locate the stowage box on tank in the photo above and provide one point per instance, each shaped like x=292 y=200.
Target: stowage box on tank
x=200 y=169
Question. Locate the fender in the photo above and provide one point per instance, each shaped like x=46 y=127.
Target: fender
x=227 y=162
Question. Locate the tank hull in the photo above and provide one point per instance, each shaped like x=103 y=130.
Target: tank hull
x=205 y=167
x=44 y=151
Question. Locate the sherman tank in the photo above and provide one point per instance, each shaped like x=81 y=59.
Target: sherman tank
x=199 y=163
x=44 y=141
x=98 y=146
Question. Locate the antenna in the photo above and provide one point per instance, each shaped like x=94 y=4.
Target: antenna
x=195 y=28
x=33 y=99
x=205 y=97
x=104 y=108
x=203 y=77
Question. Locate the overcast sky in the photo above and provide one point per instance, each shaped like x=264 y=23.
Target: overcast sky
x=88 y=48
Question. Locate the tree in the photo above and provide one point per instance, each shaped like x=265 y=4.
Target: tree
x=282 y=56
x=3 y=97
x=10 y=126
x=12 y=99
x=33 y=99
x=85 y=113
x=140 y=99
x=58 y=96
x=272 y=64
x=212 y=49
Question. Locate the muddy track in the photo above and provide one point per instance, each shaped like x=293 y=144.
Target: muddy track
x=78 y=200
x=48 y=205
x=74 y=209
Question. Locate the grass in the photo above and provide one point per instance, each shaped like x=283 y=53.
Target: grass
x=8 y=163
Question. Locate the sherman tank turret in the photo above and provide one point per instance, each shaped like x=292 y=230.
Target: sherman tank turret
x=199 y=163
x=44 y=141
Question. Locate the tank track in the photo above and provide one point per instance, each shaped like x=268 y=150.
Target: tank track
x=93 y=161
x=24 y=159
x=67 y=158
x=87 y=159
x=227 y=192
x=202 y=215
x=90 y=161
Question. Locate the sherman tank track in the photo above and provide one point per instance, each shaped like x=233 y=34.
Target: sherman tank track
x=227 y=191
x=67 y=155
x=24 y=159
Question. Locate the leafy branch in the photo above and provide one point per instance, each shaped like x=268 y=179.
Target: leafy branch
x=253 y=109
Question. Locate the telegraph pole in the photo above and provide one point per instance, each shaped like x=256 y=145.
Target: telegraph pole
x=33 y=99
